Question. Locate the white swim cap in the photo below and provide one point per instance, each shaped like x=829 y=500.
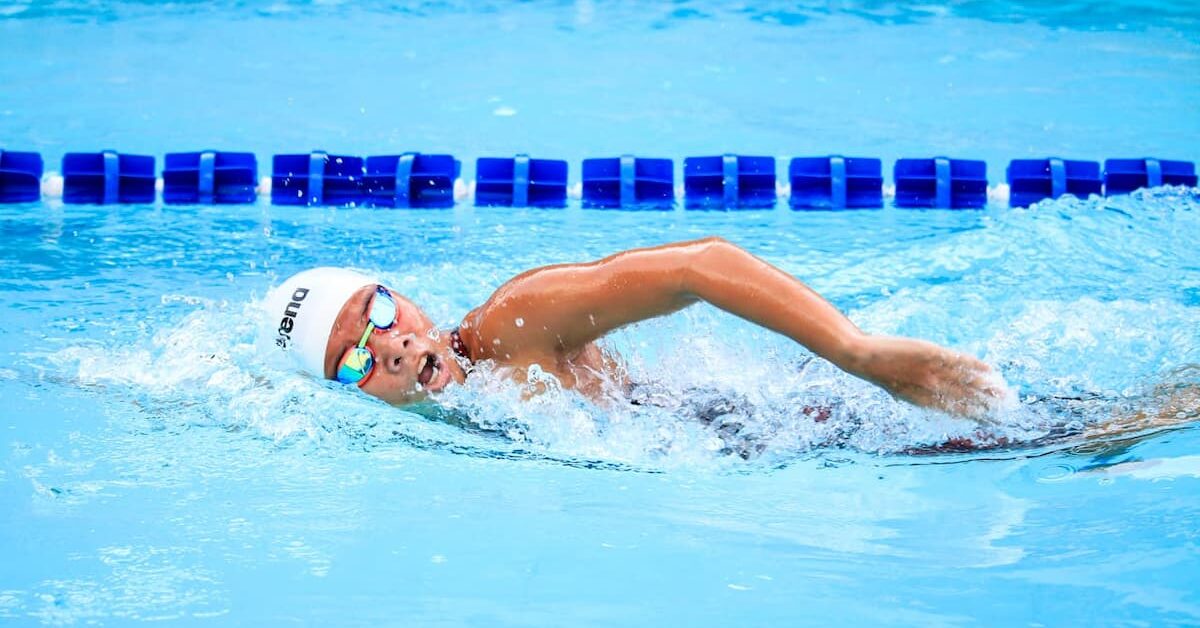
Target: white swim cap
x=301 y=312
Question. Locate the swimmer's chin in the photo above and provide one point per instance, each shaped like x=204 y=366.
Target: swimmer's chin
x=426 y=393
x=409 y=398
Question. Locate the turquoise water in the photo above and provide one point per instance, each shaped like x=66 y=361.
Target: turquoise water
x=153 y=468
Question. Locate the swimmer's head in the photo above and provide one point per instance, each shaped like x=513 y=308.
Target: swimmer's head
x=319 y=315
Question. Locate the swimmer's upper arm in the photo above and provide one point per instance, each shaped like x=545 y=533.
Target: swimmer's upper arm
x=563 y=307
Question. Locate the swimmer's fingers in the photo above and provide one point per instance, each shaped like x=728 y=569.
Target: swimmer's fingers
x=985 y=384
x=982 y=394
x=965 y=406
x=962 y=386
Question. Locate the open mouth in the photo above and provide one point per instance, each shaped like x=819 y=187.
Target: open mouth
x=429 y=369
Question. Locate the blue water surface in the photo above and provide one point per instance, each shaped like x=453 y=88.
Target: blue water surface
x=155 y=466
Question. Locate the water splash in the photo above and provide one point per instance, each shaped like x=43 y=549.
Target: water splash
x=1083 y=305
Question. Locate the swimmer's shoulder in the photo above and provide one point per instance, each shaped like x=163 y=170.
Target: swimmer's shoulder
x=507 y=327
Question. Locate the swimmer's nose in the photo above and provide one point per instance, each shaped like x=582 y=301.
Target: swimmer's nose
x=400 y=352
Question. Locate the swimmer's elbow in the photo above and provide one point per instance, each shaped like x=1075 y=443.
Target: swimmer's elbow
x=705 y=258
x=714 y=242
x=715 y=250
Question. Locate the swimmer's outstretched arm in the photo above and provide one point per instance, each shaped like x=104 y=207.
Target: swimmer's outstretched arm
x=556 y=310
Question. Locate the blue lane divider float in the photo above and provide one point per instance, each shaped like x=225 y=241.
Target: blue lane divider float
x=20 y=177
x=411 y=180
x=108 y=177
x=729 y=182
x=628 y=182
x=836 y=182
x=317 y=178
x=941 y=183
x=209 y=177
x=1122 y=176
x=520 y=182
x=1033 y=180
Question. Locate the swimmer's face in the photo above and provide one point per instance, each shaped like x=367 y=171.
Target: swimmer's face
x=411 y=358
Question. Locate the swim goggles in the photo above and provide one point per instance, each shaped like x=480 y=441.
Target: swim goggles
x=357 y=362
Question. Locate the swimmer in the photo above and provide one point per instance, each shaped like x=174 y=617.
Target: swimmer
x=342 y=325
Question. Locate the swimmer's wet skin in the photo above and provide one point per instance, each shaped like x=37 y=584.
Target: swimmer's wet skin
x=343 y=325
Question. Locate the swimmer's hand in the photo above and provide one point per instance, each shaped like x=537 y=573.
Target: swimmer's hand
x=929 y=376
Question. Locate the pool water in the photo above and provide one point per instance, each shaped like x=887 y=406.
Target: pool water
x=155 y=466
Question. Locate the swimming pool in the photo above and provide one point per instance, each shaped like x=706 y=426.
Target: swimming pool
x=152 y=468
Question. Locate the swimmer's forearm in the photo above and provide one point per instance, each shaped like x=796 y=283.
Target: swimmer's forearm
x=913 y=370
x=732 y=279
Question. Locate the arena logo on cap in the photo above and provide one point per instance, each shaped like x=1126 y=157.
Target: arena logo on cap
x=288 y=322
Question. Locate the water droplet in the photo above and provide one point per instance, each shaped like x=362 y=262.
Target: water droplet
x=520 y=322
